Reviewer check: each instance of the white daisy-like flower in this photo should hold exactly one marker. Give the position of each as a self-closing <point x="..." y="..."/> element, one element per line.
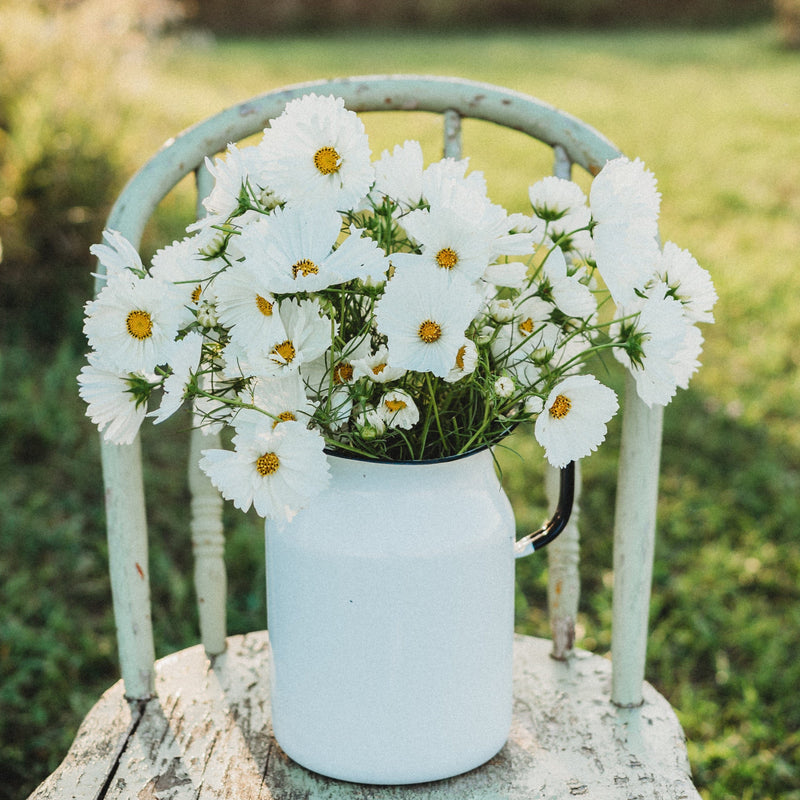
<point x="283" y="398"/>
<point x="317" y="150"/>
<point x="504" y="386"/>
<point x="624" y="191"/>
<point x="573" y="422"/>
<point x="466" y="362"/>
<point x="552" y="198"/>
<point x="245" y="305"/>
<point x="501" y="309"/>
<point x="398" y="175"/>
<point x="370" y="423"/>
<point x="184" y="358"/>
<point x="424" y="315"/>
<point x="452" y="240"/>
<point x="448" y="176"/>
<point x="660" y="332"/>
<point x="276" y="469"/>
<point x="534" y="404"/>
<point x="688" y="282"/>
<point x="626" y="256"/>
<point x="397" y="409"/>
<point x="510" y="274"/>
<point x="117" y="254"/>
<point x="574" y="298"/>
<point x="308" y="335"/>
<point x="375" y="366"/>
<point x="132" y="323"/>
<point x="530" y="333"/>
<point x="183" y="264"/>
<point x="686" y="361"/>
<point x="111" y="404"/>
<point x="335" y="367"/>
<point x="237" y="174"/>
<point x="293" y="250"/>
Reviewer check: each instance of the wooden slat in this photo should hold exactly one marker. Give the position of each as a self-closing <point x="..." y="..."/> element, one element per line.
<point x="128" y="564"/>
<point x="634" y="543"/>
<point x="563" y="578"/>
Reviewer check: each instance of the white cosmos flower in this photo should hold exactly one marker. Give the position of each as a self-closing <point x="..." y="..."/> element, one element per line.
<point x="238" y="173"/>
<point x="276" y="469"/>
<point x="133" y="321"/>
<point x="466" y="362"/>
<point x="375" y="366"/>
<point x="504" y="386"/>
<point x="370" y="423"/>
<point x="246" y="306"/>
<point x="688" y="282"/>
<point x="183" y="265"/>
<point x="308" y="335"/>
<point x="626" y="256"/>
<point x="512" y="274"/>
<point x="661" y="331"/>
<point x="293" y="250"/>
<point x="424" y="314"/>
<point x="184" y="358"/>
<point x="451" y="239"/>
<point x="443" y="178"/>
<point x="552" y="198"/>
<point x="398" y="175"/>
<point x="283" y="398"/>
<point x="335" y="367"/>
<point x="111" y="404"/>
<point x="117" y="254"/>
<point x="624" y="191"/>
<point x="572" y="423"/>
<point x="398" y="410"/>
<point x="318" y="151"/>
<point x="571" y="296"/>
<point x="530" y="331"/>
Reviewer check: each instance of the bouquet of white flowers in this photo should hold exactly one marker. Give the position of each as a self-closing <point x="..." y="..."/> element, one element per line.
<point x="387" y="310"/>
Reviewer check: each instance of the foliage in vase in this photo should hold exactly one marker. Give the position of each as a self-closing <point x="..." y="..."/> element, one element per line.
<point x="329" y="302"/>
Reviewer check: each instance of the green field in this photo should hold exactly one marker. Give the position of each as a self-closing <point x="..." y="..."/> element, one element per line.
<point x="716" y="116"/>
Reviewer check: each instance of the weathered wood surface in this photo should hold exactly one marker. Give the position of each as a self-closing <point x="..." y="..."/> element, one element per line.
<point x="207" y="735"/>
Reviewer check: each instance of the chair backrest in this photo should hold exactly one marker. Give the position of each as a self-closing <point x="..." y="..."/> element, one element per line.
<point x="573" y="143"/>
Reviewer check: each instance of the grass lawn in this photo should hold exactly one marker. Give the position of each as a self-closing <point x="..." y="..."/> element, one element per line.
<point x="716" y="116"/>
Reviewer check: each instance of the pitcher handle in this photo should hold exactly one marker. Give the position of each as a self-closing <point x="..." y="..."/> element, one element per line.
<point x="556" y="524"/>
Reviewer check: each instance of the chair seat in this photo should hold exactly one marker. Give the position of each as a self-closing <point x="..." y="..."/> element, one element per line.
<point x="207" y="734"/>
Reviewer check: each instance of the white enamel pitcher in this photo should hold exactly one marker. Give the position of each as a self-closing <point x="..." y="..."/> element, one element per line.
<point x="391" y="619"/>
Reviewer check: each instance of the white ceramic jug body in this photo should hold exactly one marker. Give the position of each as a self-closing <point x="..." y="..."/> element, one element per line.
<point x="390" y="605"/>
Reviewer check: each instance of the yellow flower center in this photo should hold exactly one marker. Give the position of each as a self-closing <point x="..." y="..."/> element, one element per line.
<point x="378" y="368"/>
<point x="462" y="351"/>
<point x="429" y="331"/>
<point x="561" y="406"/>
<point x="198" y="290"/>
<point x="285" y="350"/>
<point x="526" y="326"/>
<point x="327" y="160"/>
<point x="284" y="416"/>
<point x="267" y="464"/>
<point x="139" y="325"/>
<point x="447" y="258"/>
<point x="264" y="305"/>
<point x="395" y="405"/>
<point x="304" y="268"/>
<point x="343" y="373"/>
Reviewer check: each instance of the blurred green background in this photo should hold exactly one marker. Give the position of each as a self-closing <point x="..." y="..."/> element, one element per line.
<point x="707" y="93"/>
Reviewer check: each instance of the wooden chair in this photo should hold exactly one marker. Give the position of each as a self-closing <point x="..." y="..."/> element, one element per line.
<point x="196" y="723"/>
